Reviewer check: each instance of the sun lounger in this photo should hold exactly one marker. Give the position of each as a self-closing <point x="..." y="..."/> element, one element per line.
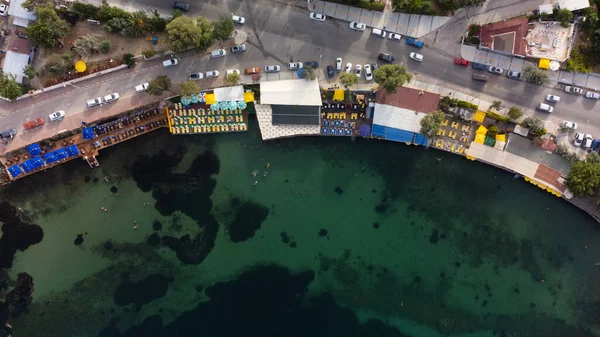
<point x="445" y="123"/>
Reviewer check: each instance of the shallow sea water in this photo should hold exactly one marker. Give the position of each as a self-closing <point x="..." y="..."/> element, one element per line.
<point x="364" y="238"/>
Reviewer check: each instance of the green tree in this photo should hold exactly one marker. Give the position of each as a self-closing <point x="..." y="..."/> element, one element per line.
<point x="188" y="88"/>
<point x="431" y="123"/>
<point x="534" y="124"/>
<point x="104" y="46"/>
<point x="496" y="105"/>
<point x="87" y="11"/>
<point x="223" y="28"/>
<point x="593" y="158"/>
<point x="206" y="37"/>
<point x="156" y="24"/>
<point x="85" y="45"/>
<point x="129" y="60"/>
<point x="47" y="28"/>
<point x="412" y="6"/>
<point x="185" y="32"/>
<point x="158" y="85"/>
<point x="535" y="75"/>
<point x="9" y="88"/>
<point x="564" y="16"/>
<point x="562" y="150"/>
<point x="584" y="178"/>
<point x="348" y="80"/>
<point x="492" y="131"/>
<point x="107" y="12"/>
<point x="232" y="79"/>
<point x="137" y="25"/>
<point x="30" y="71"/>
<point x="391" y="76"/>
<point x="514" y="113"/>
<point x="596" y="41"/>
<point x="116" y="25"/>
<point x="309" y="73"/>
<point x="30" y="5"/>
<point x="59" y="63"/>
<point x="591" y="18"/>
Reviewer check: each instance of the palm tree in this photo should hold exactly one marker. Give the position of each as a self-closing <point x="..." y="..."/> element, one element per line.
<point x="137" y="24"/>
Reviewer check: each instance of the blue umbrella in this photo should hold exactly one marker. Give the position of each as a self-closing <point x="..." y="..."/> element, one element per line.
<point x="241" y="105"/>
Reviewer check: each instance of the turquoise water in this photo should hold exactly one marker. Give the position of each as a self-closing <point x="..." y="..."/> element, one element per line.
<point x="339" y="238"/>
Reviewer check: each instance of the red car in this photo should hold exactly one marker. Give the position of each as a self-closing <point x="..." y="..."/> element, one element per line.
<point x="33" y="124"/>
<point x="461" y="62"/>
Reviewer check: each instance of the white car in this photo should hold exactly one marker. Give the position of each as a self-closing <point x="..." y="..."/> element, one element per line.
<point x="552" y="98"/>
<point x="56" y="116"/>
<point x="317" y="16"/>
<point x="348" y="68"/>
<point x="94" y="101"/>
<point x="368" y="72"/>
<point x="416" y="56"/>
<point x="395" y="37"/>
<point x="211" y="74"/>
<point x="338" y="64"/>
<point x="573" y="90"/>
<point x="545" y="107"/>
<point x="238" y="19"/>
<point x="3" y="9"/>
<point x="358" y="26"/>
<point x="592" y="95"/>
<point x="568" y="125"/>
<point x="578" y="139"/>
<point x="218" y="53"/>
<point x="587" y="141"/>
<point x="170" y="63"/>
<point x="358" y="70"/>
<point x="111" y="97"/>
<point x="232" y="71"/>
<point x="295" y="65"/>
<point x="272" y="69"/>
<point x="195" y="76"/>
<point x="142" y="87"/>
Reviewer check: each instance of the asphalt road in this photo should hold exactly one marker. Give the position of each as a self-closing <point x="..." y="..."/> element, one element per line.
<point x="279" y="33"/>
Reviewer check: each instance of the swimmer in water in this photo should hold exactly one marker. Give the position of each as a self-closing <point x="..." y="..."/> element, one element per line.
<point x="255" y="183"/>
<point x="254" y="173"/>
<point x="265" y="174"/>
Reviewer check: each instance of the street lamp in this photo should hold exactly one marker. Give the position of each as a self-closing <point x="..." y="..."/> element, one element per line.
<point x="318" y="73"/>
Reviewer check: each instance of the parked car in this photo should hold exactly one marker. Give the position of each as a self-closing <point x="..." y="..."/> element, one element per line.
<point x="552" y="98"/>
<point x="573" y="90"/>
<point x="348" y="68"/>
<point x="3" y="9"/>
<point x="461" y="62"/>
<point x="94" y="101"/>
<point x="592" y="95"/>
<point x="358" y="70"/>
<point x="170" y="63"/>
<point x="272" y="69"/>
<point x="313" y="64"/>
<point x="330" y="72"/>
<point x="195" y="76"/>
<point x="414" y="42"/>
<point x="478" y="66"/>
<point x="495" y="70"/>
<point x="514" y="75"/>
<point x="33" y="124"/>
<point x="596" y="145"/>
<point x="480" y="77"/>
<point x="56" y="116"/>
<point x="10" y="133"/>
<point x="252" y="71"/>
<point x="295" y="65"/>
<point x="587" y="141"/>
<point x="386" y="57"/>
<point x="218" y="53"/>
<point x="545" y="107"/>
<point x="358" y="26"/>
<point x="394" y="36"/>
<point x="232" y="71"/>
<point x="181" y="6"/>
<point x="142" y="87"/>
<point x="375" y="66"/>
<point x="338" y="64"/>
<point x="578" y="139"/>
<point x="416" y="56"/>
<point x="238" y="49"/>
<point x="211" y="74"/>
<point x="238" y="19"/>
<point x="378" y="32"/>
<point x="568" y="125"/>
<point x="111" y="97"/>
<point x="368" y="72"/>
<point x="317" y="16"/>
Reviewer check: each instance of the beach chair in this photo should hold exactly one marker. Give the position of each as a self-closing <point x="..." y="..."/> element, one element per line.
<point x="461" y="150"/>
<point x="440" y="132"/>
<point x="343" y="115"/>
<point x="468" y="128"/>
<point x="454" y="136"/>
<point x="323" y="131"/>
<point x="453" y="146"/>
<point x="336" y="115"/>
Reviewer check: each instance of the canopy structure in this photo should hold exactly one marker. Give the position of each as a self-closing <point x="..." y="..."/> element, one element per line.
<point x="37" y="161"/>
<point x="50" y="157"/>
<point x="482" y="130"/>
<point x="61" y="154"/>
<point x="249" y="96"/>
<point x="80" y="66"/>
<point x="15" y="170"/>
<point x="338" y="95"/>
<point x="210" y="99"/>
<point x="501" y="137"/>
<point x="88" y="133"/>
<point x="479" y="138"/>
<point x="34" y="149"/>
<point x="479" y="116"/>
<point x="72" y="150"/>
<point x="27" y="166"/>
<point x="544" y="63"/>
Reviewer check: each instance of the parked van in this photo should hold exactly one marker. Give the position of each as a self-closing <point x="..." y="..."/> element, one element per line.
<point x="379" y="32"/>
<point x="480" y="77"/>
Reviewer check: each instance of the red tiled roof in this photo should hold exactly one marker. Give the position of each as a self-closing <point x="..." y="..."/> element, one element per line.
<point x="550" y="176"/>
<point x="19" y="45"/>
<point x="410" y="99"/>
<point x="518" y="26"/>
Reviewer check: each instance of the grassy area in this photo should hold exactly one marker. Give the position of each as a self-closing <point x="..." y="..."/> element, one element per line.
<point x="583" y="59"/>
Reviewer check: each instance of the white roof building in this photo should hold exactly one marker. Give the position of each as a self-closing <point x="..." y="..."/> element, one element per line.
<point x="290" y="92"/>
<point x="573" y="5"/>
<point x="229" y="93"/>
<point x="20" y="15"/>
<point x="398" y="118"/>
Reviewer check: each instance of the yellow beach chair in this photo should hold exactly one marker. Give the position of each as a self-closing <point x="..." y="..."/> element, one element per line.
<point x="445" y="122"/>
<point x="454" y="136"/>
<point x="343" y="115"/>
<point x="453" y="147"/>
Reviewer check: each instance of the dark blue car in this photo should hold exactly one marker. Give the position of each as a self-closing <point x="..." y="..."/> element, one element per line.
<point x="313" y="64"/>
<point x="596" y="145"/>
<point x="330" y="71"/>
<point x="478" y="66"/>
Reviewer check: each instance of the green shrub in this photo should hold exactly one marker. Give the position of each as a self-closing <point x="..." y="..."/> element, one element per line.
<point x="577" y="62"/>
<point x="540" y="132"/>
<point x="156" y="24"/>
<point x="116" y="25"/>
<point x="87" y="11"/>
<point x="104" y="46"/>
<point x="374" y="6"/>
<point x="149" y="53"/>
<point x="329" y="95"/>
<point x="129" y="60"/>
<point x="466" y="105"/>
<point x="497" y="117"/>
<point x="492" y="131"/>
<point x="106" y="13"/>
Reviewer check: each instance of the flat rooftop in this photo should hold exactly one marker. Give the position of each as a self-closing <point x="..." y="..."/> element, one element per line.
<point x="548" y="40"/>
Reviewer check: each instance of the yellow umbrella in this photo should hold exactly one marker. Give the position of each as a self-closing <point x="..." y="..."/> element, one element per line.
<point x="80" y="66"/>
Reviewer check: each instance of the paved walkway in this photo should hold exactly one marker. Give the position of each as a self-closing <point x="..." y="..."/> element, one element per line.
<point x="401" y="23"/>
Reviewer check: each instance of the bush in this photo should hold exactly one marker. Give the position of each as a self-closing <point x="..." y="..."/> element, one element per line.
<point x="105" y="13"/>
<point x="515" y="113"/>
<point x="87" y="11"/>
<point x="374" y="6"/>
<point x="116" y="25"/>
<point x="562" y="150"/>
<point x="492" y="131"/>
<point x="466" y="105"/>
<point x="577" y="62"/>
<point x="535" y="75"/>
<point x="539" y="132"/>
<point x="497" y="117"/>
<point x="157" y="24"/>
<point x="149" y="53"/>
<point x="104" y="46"/>
<point x="129" y="60"/>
